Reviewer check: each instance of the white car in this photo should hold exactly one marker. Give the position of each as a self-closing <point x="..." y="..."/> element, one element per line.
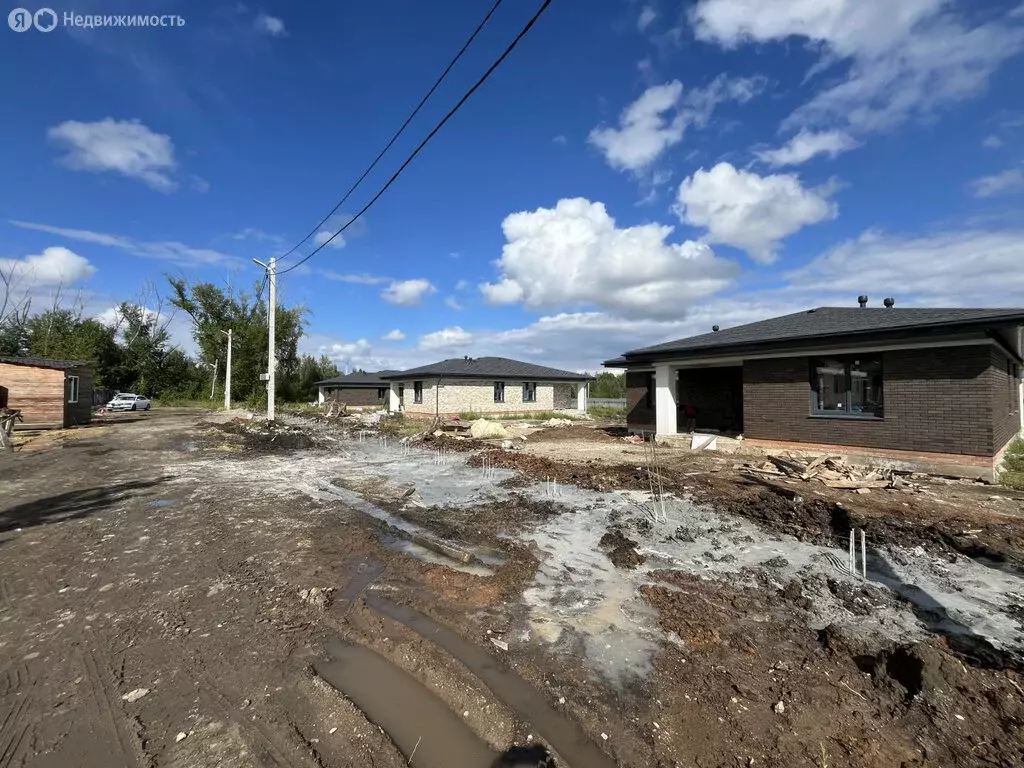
<point x="125" y="401"/>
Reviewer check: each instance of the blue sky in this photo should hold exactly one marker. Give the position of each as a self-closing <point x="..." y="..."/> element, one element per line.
<point x="634" y="172"/>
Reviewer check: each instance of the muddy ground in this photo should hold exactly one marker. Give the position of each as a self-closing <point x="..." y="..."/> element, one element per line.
<point x="177" y="590"/>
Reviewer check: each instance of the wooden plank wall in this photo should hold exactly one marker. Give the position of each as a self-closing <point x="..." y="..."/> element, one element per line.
<point x="81" y="412"/>
<point x="37" y="392"/>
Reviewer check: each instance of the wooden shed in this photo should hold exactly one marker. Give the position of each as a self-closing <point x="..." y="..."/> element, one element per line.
<point x="49" y="393"/>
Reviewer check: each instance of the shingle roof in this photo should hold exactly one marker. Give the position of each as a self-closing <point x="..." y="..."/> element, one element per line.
<point x="831" y="322"/>
<point x="360" y="379"/>
<point x="41" y="362"/>
<point x="488" y="368"/>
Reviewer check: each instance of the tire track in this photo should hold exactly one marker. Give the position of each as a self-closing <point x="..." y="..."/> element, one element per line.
<point x="14" y="727"/>
<point x="100" y="689"/>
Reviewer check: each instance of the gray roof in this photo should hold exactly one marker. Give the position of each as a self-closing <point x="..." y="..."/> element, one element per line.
<point x="488" y="368"/>
<point x="41" y="362"/>
<point x="832" y="322"/>
<point x="359" y="380"/>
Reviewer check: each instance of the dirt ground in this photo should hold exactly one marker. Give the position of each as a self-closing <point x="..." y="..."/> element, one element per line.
<point x="172" y="587"/>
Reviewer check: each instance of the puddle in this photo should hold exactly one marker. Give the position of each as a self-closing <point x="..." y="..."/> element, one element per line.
<point x="564" y="735"/>
<point x="161" y="503"/>
<point x="417" y="721"/>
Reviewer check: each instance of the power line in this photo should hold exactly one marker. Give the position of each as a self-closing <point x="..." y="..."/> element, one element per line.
<point x="399" y="132"/>
<point x="422" y="144"/>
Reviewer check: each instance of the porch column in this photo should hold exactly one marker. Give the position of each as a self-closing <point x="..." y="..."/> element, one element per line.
<point x="393" y="397"/>
<point x="581" y="397"/>
<point x="665" y="400"/>
<point x="320" y="395"/>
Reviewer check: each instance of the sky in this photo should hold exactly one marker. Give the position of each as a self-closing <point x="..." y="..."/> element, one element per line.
<point x="633" y="172"/>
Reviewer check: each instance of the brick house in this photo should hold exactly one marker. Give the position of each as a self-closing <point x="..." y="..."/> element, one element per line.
<point x="938" y="389"/>
<point x="356" y="389"/>
<point x="49" y="393"/>
<point x="486" y="385"/>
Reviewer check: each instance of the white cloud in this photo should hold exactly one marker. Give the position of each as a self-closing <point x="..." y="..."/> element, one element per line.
<point x="164" y="250"/>
<point x="324" y="236"/>
<point x="124" y="146"/>
<point x="407" y="293"/>
<point x="447" y="338"/>
<point x="748" y="211"/>
<point x="462" y="285"/>
<point x="395" y="335"/>
<point x="258" y="235"/>
<point x="357" y="279"/>
<point x="646" y="18"/>
<point x="270" y="25"/>
<point x="806" y="145"/>
<point x="658" y="119"/>
<point x="902" y="60"/>
<point x="574" y="255"/>
<point x="992" y="142"/>
<point x="452" y="303"/>
<point x="1010" y="180"/>
<point x="955" y="268"/>
<point x="560" y="140"/>
<point x="54" y="266"/>
<point x="645" y="129"/>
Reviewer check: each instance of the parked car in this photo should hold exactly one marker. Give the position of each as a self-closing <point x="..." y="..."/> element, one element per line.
<point x="125" y="401"/>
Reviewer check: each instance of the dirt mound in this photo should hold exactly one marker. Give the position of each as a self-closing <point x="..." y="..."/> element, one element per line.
<point x="576" y="433"/>
<point x="621" y="549"/>
<point x="267" y="437"/>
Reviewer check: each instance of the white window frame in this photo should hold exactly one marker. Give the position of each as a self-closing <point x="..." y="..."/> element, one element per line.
<point x="73" y="390"/>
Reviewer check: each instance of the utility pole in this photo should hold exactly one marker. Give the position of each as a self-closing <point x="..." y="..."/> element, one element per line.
<point x="227" y="379"/>
<point x="213" y="386"/>
<point x="271" y="312"/>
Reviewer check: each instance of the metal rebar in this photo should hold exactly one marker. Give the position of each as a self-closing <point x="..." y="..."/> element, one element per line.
<point x="852" y="562"/>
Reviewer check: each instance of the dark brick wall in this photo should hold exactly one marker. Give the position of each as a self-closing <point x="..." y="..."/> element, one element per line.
<point x="637" y="412"/>
<point x="942" y="400"/>
<point x="716" y="393"/>
<point x="1005" y="401"/>
<point x="356" y="395"/>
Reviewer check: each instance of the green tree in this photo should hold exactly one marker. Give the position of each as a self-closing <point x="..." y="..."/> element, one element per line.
<point x="214" y="310"/>
<point x="61" y="334"/>
<point x="608" y="384"/>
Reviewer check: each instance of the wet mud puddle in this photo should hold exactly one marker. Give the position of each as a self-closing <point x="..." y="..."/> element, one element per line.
<point x="426" y="732"/>
<point x="563" y="734"/>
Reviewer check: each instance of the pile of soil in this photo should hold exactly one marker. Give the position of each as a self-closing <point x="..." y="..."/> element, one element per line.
<point x="267" y="437"/>
<point x="574" y="432"/>
<point x="746" y="663"/>
<point x="621" y="549"/>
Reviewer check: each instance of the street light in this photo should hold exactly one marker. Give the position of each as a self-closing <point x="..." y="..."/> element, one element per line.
<point x="227" y="379"/>
<point x="271" y="354"/>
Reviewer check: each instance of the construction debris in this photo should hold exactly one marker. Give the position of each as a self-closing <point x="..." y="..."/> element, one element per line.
<point x="833" y="472"/>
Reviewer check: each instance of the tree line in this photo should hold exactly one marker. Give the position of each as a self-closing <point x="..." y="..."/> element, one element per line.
<point x="131" y="349"/>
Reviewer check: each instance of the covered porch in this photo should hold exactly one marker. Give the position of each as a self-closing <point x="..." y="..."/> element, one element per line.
<point x="677" y="399"/>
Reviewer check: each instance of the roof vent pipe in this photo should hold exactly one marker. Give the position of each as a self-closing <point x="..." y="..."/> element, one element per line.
<point x="714" y="329"/>
<point x="863" y="301"/>
<point x="889" y="303"/>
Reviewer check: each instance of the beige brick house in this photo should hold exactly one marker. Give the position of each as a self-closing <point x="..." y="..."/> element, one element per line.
<point x="486" y="385"/>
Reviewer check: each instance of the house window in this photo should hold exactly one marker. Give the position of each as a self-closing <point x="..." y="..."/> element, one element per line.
<point x="529" y="391"/>
<point x="417" y="391"/>
<point x="849" y="386"/>
<point x="499" y="391"/>
<point x="649" y="397"/>
<point x="72" y="389"/>
<point x="381" y="392"/>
